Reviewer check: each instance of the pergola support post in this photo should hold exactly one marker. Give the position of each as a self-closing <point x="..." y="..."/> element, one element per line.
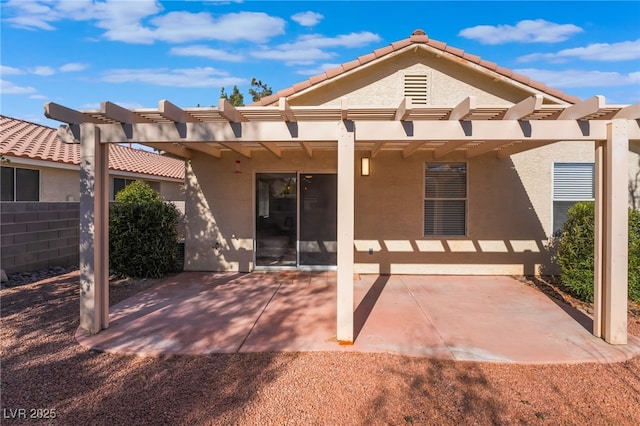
<point x="611" y="235"/>
<point x="346" y="211"/>
<point x="94" y="230"/>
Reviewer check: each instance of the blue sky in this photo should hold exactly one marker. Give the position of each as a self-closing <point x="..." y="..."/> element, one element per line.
<point x="79" y="53"/>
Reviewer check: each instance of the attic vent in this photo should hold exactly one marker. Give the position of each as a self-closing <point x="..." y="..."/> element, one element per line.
<point x="416" y="87"/>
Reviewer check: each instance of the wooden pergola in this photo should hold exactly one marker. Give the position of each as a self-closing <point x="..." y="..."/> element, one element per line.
<point x="464" y="128"/>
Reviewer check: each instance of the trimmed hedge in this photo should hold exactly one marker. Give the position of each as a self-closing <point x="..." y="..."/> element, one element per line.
<point x="143" y="238"/>
<point x="575" y="252"/>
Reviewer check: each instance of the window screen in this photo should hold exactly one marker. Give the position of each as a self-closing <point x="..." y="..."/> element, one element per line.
<point x="445" y="199"/>
<point x="572" y="182"/>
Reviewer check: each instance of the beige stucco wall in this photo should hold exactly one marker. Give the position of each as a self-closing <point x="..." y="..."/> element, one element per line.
<point x="509" y="213"/>
<point x="59" y="184"/>
<point x="383" y="84"/>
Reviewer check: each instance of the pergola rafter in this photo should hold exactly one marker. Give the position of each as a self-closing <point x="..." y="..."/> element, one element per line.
<point x="468" y="127"/>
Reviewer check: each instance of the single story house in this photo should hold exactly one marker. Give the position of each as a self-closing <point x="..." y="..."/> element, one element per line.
<point x="418" y="158"/>
<point x="38" y="166"/>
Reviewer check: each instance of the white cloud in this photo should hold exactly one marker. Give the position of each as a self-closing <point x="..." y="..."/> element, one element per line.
<point x="8" y="88"/>
<point x="251" y="26"/>
<point x="623" y="51"/>
<point x="298" y="56"/>
<point x="318" y="70"/>
<point x="527" y="31"/>
<point x="42" y="70"/>
<point x="309" y="49"/>
<point x="73" y="67"/>
<point x="38" y="97"/>
<point x="206" y="52"/>
<point x="342" y="40"/>
<point x="5" y="70"/>
<point x="307" y="19"/>
<point x="187" y="77"/>
<point x="140" y="21"/>
<point x="581" y="78"/>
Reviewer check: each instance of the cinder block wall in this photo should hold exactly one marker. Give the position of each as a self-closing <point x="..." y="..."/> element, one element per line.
<point x="37" y="235"/>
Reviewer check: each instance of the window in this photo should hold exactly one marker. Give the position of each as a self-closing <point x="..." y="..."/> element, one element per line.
<point x="572" y="182"/>
<point x="19" y="184"/>
<point x="445" y="199"/>
<point x="119" y="184"/>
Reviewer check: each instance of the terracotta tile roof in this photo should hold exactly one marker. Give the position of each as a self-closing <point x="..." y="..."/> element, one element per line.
<point x="418" y="37"/>
<point x="24" y="139"/>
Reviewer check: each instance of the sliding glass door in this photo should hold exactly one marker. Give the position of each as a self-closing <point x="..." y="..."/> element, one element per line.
<point x="318" y="219"/>
<point x="276" y="219"/>
<point x="296" y="220"/>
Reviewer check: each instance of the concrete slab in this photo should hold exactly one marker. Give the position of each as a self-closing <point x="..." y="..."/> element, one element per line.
<point x="490" y="319"/>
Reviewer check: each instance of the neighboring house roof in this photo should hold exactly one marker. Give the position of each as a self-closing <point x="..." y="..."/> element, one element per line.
<point x="19" y="138"/>
<point x="418" y="37"/>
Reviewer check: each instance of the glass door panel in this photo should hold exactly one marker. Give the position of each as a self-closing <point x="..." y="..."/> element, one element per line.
<point x="318" y="219"/>
<point x="276" y="219"/>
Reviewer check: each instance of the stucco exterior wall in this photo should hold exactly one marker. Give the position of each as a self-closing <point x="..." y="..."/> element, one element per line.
<point x="509" y="213"/>
<point x="219" y="206"/>
<point x="449" y="83"/>
<point x="59" y="184"/>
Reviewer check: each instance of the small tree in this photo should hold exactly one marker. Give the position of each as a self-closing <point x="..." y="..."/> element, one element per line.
<point x="236" y="98"/>
<point x="143" y="238"/>
<point x="259" y="90"/>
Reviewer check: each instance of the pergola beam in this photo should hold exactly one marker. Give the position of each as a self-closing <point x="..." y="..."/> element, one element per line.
<point x="377" y="148"/>
<point x="368" y="131"/>
<point x="524" y="108"/>
<point x="463" y="110"/>
<point x="582" y="109"/>
<point x="61" y="113"/>
<point x="285" y="110"/>
<point x="120" y="114"/>
<point x="228" y="111"/>
<point x="410" y="149"/>
<point x="203" y="147"/>
<point x="484" y="147"/>
<point x="306" y="146"/>
<point x="404" y="109"/>
<point x="630" y="112"/>
<point x="273" y="148"/>
<point x="237" y="147"/>
<point x="171" y="148"/>
<point x="173" y="112"/>
<point x="448" y="147"/>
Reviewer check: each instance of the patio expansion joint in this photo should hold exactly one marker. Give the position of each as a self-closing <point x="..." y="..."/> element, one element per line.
<point x="258" y="318"/>
<point x="428" y="318"/>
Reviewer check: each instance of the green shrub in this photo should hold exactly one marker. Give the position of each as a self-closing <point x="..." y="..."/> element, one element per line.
<point x="575" y="252"/>
<point x="143" y="240"/>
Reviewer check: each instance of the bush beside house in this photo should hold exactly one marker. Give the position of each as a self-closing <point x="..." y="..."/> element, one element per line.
<point x="576" y="251"/>
<point x="143" y="238"/>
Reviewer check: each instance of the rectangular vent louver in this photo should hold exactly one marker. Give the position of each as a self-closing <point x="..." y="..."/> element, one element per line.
<point x="416" y="87"/>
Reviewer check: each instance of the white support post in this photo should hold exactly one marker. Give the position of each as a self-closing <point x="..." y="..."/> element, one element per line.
<point x="616" y="226"/>
<point x="346" y="211"/>
<point x="94" y="230"/>
<point x="599" y="249"/>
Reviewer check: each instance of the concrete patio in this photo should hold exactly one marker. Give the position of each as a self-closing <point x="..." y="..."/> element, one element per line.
<point x="491" y="319"/>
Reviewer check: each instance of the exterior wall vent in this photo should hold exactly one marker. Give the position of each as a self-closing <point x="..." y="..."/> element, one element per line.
<point x="416" y="87"/>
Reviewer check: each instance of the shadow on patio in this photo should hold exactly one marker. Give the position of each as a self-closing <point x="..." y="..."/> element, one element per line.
<point x="479" y="318"/>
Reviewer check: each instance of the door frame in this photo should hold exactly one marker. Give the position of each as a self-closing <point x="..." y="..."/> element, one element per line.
<point x="254" y="201"/>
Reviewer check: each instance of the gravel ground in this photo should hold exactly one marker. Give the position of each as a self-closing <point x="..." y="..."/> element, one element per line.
<point x="45" y="372"/>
